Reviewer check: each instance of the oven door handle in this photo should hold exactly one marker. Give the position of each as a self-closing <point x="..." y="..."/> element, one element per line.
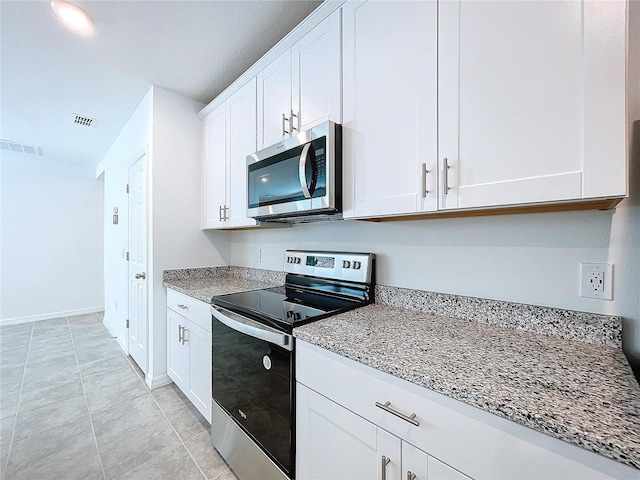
<point x="252" y="328"/>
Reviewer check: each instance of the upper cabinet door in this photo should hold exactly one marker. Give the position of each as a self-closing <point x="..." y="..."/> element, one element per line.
<point x="213" y="169"/>
<point x="241" y="141"/>
<point x="390" y="108"/>
<point x="531" y="102"/>
<point x="274" y="101"/>
<point x="317" y="75"/>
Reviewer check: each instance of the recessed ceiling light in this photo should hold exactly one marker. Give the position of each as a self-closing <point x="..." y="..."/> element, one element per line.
<point x="73" y="17"/>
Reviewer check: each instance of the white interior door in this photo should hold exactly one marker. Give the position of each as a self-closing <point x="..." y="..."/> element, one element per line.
<point x="138" y="263"/>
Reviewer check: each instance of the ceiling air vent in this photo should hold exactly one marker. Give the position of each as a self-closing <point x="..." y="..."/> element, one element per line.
<point x="84" y="121"/>
<point x="16" y="147"/>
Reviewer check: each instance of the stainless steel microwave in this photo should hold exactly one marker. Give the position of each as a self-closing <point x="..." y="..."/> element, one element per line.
<point x="298" y="179"/>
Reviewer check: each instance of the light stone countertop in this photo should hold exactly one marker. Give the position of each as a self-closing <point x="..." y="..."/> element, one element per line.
<point x="579" y="392"/>
<point x="204" y="283"/>
<point x="558" y="372"/>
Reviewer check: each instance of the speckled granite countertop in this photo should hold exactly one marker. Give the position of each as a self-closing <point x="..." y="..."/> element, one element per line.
<point x="579" y="392"/>
<point x="204" y="283"/>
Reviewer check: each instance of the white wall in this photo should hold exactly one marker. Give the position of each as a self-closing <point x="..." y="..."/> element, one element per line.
<point x="132" y="140"/>
<point x="167" y="126"/>
<point x="177" y="241"/>
<point x="51" y="246"/>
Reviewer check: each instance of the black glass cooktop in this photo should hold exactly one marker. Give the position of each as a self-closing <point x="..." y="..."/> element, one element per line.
<point x="290" y="306"/>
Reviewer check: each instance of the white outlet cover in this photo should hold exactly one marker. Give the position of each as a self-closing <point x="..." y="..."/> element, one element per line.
<point x="586" y="290"/>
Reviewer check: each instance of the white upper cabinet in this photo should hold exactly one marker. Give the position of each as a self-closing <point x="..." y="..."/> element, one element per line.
<point x="274" y="101"/>
<point x="531" y="102"/>
<point x="302" y="87"/>
<point x="241" y="140"/>
<point x="230" y="135"/>
<point x="214" y="181"/>
<point x="390" y="108"/>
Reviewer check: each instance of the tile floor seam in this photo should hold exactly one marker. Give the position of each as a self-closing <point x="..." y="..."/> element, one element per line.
<point x="178" y="435"/>
<point x="15" y="417"/>
<point x="86" y="400"/>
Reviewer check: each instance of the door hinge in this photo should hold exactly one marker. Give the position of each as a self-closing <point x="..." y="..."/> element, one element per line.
<point x="127" y="323"/>
<point x="126" y="256"/>
<point x="127" y="188"/>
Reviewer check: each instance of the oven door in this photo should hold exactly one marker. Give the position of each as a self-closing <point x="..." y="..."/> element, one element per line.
<point x="253" y="382"/>
<point x="296" y="176"/>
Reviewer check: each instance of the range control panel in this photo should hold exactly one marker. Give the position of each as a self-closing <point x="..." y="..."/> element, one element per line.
<point x="355" y="267"/>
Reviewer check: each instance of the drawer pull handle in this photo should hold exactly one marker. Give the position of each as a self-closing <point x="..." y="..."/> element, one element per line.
<point x="184" y="307"/>
<point x="410" y="418"/>
<point x="385" y="462"/>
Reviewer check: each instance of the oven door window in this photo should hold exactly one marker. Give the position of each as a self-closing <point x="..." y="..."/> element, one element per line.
<point x="279" y="179"/>
<point x="252" y="383"/>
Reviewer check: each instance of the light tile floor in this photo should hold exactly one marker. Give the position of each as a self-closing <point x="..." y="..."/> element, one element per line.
<point x="73" y="406"/>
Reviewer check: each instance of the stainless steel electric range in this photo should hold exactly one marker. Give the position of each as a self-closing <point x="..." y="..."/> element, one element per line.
<point x="253" y="371"/>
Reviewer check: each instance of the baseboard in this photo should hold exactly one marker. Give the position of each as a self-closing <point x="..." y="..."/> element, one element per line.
<point x="49" y="316"/>
<point x="158" y="381"/>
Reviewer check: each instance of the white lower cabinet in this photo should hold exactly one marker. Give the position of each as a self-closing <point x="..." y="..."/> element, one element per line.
<point x="349" y="416"/>
<point x="189" y="348"/>
<point x="334" y="443"/>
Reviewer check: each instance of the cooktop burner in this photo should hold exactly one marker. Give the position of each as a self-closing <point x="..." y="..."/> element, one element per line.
<point x="318" y="285"/>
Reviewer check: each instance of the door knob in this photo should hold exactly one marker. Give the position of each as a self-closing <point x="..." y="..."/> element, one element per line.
<point x="141" y="275"/>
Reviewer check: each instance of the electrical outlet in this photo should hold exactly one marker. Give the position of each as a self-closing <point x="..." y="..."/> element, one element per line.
<point x="596" y="280"/>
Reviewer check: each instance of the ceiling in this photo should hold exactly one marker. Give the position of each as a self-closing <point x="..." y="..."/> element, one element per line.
<point x="49" y="74"/>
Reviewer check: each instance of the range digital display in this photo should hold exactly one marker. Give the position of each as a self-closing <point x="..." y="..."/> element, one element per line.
<point x="321" y="262"/>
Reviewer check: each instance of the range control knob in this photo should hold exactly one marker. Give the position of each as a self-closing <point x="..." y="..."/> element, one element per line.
<point x="346" y="264"/>
<point x="357" y="265"/>
<point x="296" y="260"/>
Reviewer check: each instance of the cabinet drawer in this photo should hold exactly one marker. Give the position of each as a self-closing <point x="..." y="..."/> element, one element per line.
<point x="194" y="310"/>
<point x="480" y="444"/>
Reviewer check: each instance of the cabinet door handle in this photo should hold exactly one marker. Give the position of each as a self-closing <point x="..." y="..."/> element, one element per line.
<point x="184" y="338"/>
<point x="183" y="307"/>
<point x="220" y="213"/>
<point x="291" y="127"/>
<point x="384" y="462"/>
<point x="424" y="180"/>
<point x="180" y="327"/>
<point x="445" y="177"/>
<point x="411" y="475"/>
<point x="407" y="418"/>
<point x="226" y="213"/>
<point x="284" y="120"/>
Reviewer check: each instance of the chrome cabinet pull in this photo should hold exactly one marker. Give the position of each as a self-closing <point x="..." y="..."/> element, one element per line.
<point x="387" y="408"/>
<point x="445" y="177"/>
<point x="424" y="180"/>
<point x="384" y="463"/>
<point x="220" y="213"/>
<point x="180" y="327"/>
<point x="226" y="213"/>
<point x="183" y="307"/>
<point x="411" y="475"/>
<point x="291" y="127"/>
<point x="284" y="120"/>
<point x="142" y="275"/>
<point x="184" y="339"/>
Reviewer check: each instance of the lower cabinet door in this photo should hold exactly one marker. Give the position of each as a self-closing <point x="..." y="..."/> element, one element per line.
<point x="332" y="443"/>
<point x="441" y="471"/>
<point x="198" y="341"/>
<point x="415" y="463"/>
<point x="176" y="349"/>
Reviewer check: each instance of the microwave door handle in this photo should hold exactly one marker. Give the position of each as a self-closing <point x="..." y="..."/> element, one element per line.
<point x="302" y="171"/>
